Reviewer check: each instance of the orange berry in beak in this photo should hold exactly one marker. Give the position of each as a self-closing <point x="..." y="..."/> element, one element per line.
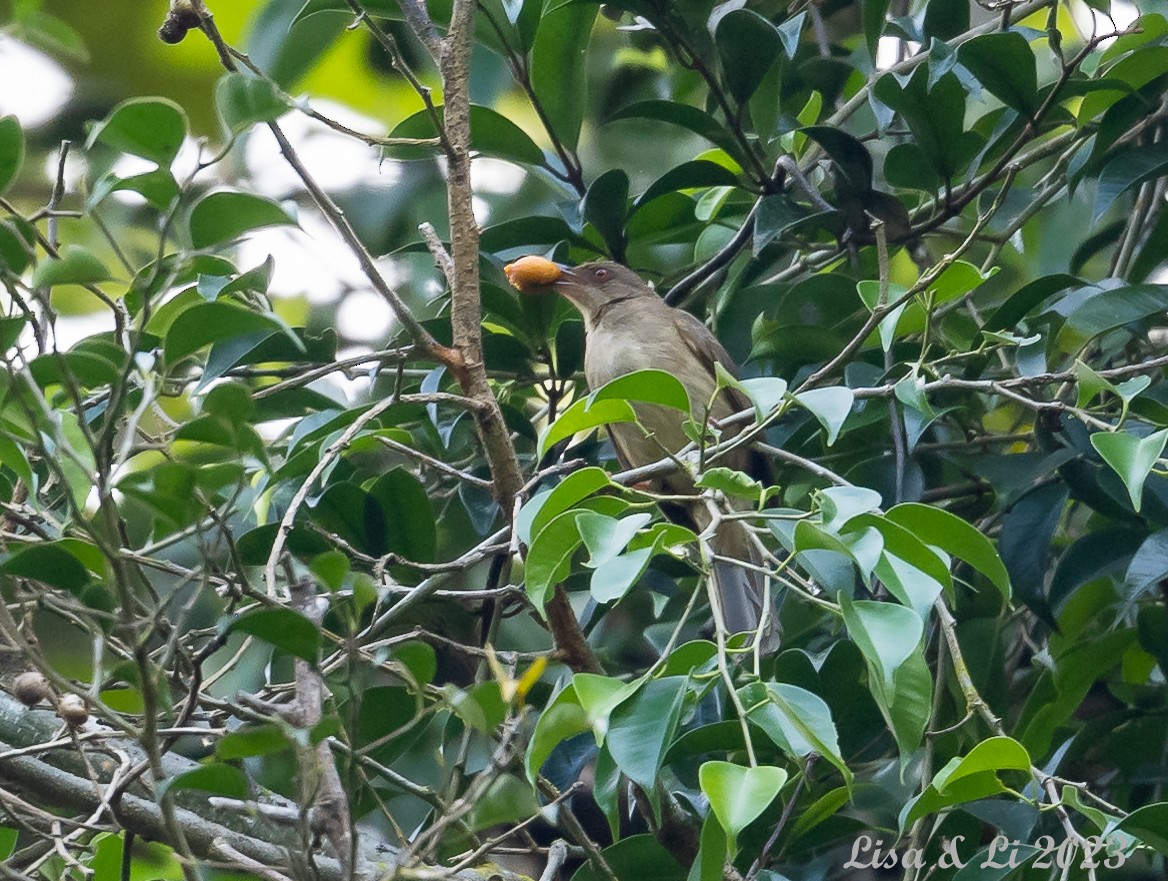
<point x="531" y="273"/>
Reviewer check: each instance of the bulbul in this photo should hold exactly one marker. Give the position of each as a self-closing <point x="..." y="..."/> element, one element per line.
<point x="628" y="327"/>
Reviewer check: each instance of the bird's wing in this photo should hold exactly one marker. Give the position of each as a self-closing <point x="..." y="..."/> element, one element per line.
<point x="700" y="340"/>
<point x="705" y="346"/>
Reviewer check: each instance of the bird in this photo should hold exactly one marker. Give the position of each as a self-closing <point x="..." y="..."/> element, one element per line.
<point x="628" y="327"/>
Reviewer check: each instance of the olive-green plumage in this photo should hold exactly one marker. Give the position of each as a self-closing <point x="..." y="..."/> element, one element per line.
<point x="629" y="328"/>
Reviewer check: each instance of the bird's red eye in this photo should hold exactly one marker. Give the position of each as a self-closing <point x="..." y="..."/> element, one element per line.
<point x="600" y="274"/>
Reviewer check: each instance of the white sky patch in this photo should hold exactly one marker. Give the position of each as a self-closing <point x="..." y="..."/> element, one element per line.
<point x="72" y="329"/>
<point x="335" y="160"/>
<point x="1091" y="21"/>
<point x="482" y="210"/>
<point x="495" y="175"/>
<point x="33" y="87"/>
<point x="364" y="316"/>
<point x="888" y="47"/>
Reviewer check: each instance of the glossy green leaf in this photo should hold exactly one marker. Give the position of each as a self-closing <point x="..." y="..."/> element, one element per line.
<point x="563" y="717"/>
<point x="158" y="187"/>
<point x="688" y="175"/>
<point x="545" y="506"/>
<point x="558" y="67"/>
<point x="77" y="265"/>
<point x="224" y="216"/>
<point x="242" y="101"/>
<point x="955" y="536"/>
<point x="11" y="151"/>
<point x="251" y="740"/>
<point x="830" y="406"/>
<point x="1132" y="457"/>
<point x="605" y="206"/>
<point x="217" y="778"/>
<point x="492" y="134"/>
<point x="1128" y="170"/>
<point x="886" y="633"/>
<point x="797" y="720"/>
<point x="284" y="628"/>
<point x="206" y="323"/>
<point x="684" y="115"/>
<point x="748" y="45"/>
<point x="643" y="725"/>
<point x="549" y="557"/>
<point x="1004" y="63"/>
<point x="153" y="128"/>
<point x="739" y="795"/>
<point x="49" y="563"/>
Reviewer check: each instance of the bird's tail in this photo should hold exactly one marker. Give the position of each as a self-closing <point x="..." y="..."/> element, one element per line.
<point x="742" y="590"/>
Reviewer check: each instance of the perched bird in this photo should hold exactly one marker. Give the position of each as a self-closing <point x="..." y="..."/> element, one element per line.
<point x="628" y="327"/>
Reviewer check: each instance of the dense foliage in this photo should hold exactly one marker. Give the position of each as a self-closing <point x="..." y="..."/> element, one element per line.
<point x="312" y="607"/>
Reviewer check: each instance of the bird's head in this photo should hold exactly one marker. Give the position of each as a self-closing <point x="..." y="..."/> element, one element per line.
<point x="588" y="286"/>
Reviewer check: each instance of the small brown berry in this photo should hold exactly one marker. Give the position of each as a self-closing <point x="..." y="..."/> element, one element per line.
<point x="30" y="688"/>
<point x="182" y="18"/>
<point x="71" y="708"/>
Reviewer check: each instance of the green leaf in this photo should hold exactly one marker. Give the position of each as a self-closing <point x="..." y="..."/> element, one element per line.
<point x="748" y="45"/>
<point x="955" y="536"/>
<point x="730" y="482"/>
<point x="242" y="100"/>
<point x="16" y="245"/>
<point x="77" y="265"/>
<point x="1148" y="824"/>
<point x="874" y="14"/>
<point x="492" y="134"/>
<point x="839" y="504"/>
<point x="935" y="113"/>
<point x="646" y="386"/>
<point x="797" y="720"/>
<point x="158" y="187"/>
<point x="994" y="754"/>
<point x="605" y="206"/>
<point x="11" y="150"/>
<point x="549" y="557"/>
<point x="1127" y="170"/>
<point x="605" y="537"/>
<point x="862" y="547"/>
<point x="563" y="718"/>
<point x="1110" y="309"/>
<point x="686" y="176"/>
<point x="738" y="795"/>
<point x="558" y="68"/>
<point x="685" y="115"/>
<point x="153" y="128"/>
<point x="1026" y="298"/>
<point x="217" y="778"/>
<point x="613" y="578"/>
<point x="1131" y="457"/>
<point x="48" y="563"/>
<point x="1005" y="65"/>
<point x="886" y="633"/>
<point x="285" y="628"/>
<point x="848" y="154"/>
<point x="378" y="8"/>
<point x="251" y="740"/>
<point x="642" y="727"/>
<point x="206" y="323"/>
<point x="584" y="415"/>
<point x="224" y="216"/>
<point x="610" y="403"/>
<point x="545" y="506"/>
<point x="830" y="406"/>
<point x="411" y="528"/>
